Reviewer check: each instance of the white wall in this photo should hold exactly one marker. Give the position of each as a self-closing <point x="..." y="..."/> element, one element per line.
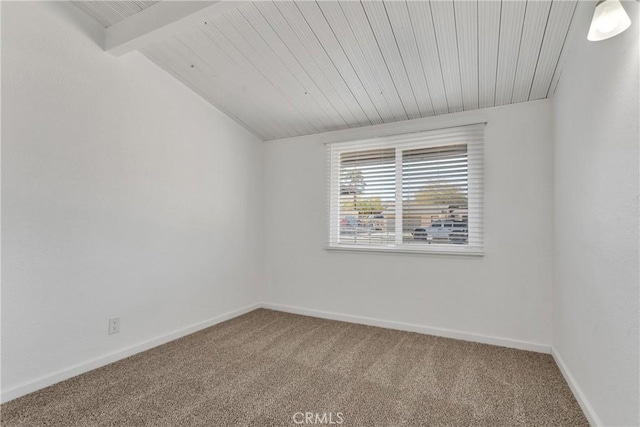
<point x="596" y="219"/>
<point x="505" y="294"/>
<point x="124" y="195"/>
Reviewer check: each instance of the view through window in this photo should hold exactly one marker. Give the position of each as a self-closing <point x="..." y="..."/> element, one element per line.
<point x="421" y="192"/>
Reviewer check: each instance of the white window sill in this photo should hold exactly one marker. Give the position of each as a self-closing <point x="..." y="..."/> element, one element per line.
<point x="432" y="250"/>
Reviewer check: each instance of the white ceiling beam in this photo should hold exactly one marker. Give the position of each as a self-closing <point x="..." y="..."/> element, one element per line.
<point x="160" y="21"/>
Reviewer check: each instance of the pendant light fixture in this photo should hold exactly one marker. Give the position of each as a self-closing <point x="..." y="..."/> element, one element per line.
<point x="609" y="19"/>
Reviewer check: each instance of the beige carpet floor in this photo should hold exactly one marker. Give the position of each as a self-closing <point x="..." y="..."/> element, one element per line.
<point x="266" y="367"/>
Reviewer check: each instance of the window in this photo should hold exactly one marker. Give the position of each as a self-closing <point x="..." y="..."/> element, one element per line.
<point x="420" y="192"/>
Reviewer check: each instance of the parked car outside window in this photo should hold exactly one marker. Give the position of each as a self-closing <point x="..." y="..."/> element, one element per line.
<point x="443" y="231"/>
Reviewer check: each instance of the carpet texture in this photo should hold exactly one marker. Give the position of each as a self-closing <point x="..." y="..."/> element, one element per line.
<point x="268" y="368"/>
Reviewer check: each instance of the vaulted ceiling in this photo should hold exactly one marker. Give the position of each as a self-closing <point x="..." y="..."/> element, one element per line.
<point x="292" y="68"/>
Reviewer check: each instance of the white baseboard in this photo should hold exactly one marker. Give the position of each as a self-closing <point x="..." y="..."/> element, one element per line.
<point x="428" y="330"/>
<point x="89" y="365"/>
<point x="586" y="407"/>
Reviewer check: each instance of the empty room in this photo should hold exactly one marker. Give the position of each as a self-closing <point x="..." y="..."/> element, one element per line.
<point x="294" y="213"/>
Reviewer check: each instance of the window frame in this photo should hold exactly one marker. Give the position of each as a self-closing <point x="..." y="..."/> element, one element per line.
<point x="424" y="139"/>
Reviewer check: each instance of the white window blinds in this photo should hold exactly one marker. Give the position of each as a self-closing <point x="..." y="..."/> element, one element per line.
<point x="416" y="192"/>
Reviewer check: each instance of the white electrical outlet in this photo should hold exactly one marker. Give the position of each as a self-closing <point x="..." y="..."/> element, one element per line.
<point x="114" y="325"/>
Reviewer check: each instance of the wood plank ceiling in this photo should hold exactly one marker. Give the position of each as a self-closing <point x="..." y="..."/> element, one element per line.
<point x="292" y="68"/>
<point x="110" y="12"/>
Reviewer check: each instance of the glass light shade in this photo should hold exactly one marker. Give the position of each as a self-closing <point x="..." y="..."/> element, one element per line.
<point x="609" y="19"/>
